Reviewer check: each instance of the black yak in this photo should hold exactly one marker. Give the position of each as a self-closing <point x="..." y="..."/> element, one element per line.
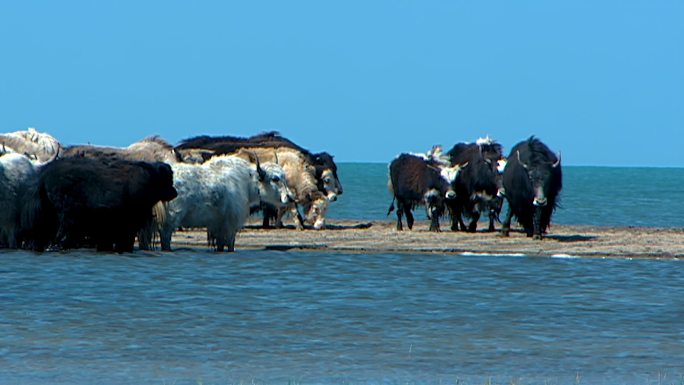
<point x="478" y="185"/>
<point x="414" y="181"/>
<point x="532" y="181"/>
<point x="83" y="201"/>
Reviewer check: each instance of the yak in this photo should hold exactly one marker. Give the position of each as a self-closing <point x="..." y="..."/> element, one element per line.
<point x="17" y="174"/>
<point x="39" y="147"/>
<point x="201" y="148"/>
<point x="478" y="186"/>
<point x="301" y="180"/>
<point x="532" y="181"/>
<point x="208" y="146"/>
<point x="415" y="181"/>
<point x="149" y="149"/>
<point x="217" y="195"/>
<point x="85" y="201"/>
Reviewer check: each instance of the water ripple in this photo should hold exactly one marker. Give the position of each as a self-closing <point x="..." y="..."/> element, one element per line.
<point x="274" y="318"/>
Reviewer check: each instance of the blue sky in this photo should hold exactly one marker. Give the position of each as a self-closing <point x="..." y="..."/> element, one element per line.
<point x="600" y="81"/>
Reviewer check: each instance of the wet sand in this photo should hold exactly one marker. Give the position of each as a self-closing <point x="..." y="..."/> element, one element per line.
<point x="382" y="237"/>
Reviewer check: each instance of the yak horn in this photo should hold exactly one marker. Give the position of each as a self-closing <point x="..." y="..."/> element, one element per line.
<point x="557" y="163"/>
<point x="260" y="171"/>
<point x="520" y="161"/>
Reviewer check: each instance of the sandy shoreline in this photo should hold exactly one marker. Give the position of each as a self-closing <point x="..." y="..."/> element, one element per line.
<point x="381" y="237"/>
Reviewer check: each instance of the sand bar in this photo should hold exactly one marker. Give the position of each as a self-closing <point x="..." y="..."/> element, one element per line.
<point x="382" y="237"/>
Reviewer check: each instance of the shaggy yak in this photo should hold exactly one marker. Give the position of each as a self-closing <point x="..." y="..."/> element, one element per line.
<point x="150" y="149"/>
<point x="478" y="186"/>
<point x="17" y="173"/>
<point x="39" y="147"/>
<point x="218" y="195"/>
<point x="414" y="181"/>
<point x="532" y="181"/>
<point x="200" y="148"/>
<point x="84" y="201"/>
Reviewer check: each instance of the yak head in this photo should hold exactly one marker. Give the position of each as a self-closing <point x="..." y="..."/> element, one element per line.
<point x="540" y="175"/>
<point x="449" y="175"/>
<point x="326" y="175"/>
<point x="273" y="186"/>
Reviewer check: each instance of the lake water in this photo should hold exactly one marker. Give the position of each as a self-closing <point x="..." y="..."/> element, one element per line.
<point x="267" y="317"/>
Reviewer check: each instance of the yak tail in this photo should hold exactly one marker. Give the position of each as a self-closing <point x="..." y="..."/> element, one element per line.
<point x="391" y="208"/>
<point x="390" y="187"/>
<point x="148" y="234"/>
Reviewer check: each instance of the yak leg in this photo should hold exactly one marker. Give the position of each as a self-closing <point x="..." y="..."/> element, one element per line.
<point x="279" y="217"/>
<point x="222" y="236"/>
<point x="409" y="217"/>
<point x="124" y="242"/>
<point x="460" y="219"/>
<point x="165" y="236"/>
<point x="434" y="223"/>
<point x="221" y="242"/>
<point x="146" y="235"/>
<point x="453" y="210"/>
<point x="297" y="216"/>
<point x="536" y="223"/>
<point x="474" y="217"/>
<point x="269" y="213"/>
<point x="506" y="225"/>
<point x="400" y="212"/>
<point x="492" y="218"/>
<point x="67" y="237"/>
<point x="457" y="218"/>
<point x="230" y="242"/>
<point x="494" y="210"/>
<point x="299" y="221"/>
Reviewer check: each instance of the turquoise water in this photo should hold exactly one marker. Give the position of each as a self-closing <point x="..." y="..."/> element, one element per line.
<point x="601" y="196"/>
<point x="268" y="317"/>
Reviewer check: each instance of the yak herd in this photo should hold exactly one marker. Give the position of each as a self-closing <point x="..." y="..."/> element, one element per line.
<point x="56" y="197"/>
<point x="475" y="178"/>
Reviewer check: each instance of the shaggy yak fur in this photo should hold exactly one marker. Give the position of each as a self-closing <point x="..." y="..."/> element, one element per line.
<point x="17" y="174"/>
<point x="39" y="147"/>
<point x="532" y="182"/>
<point x="200" y="148"/>
<point x="477" y="186"/>
<point x="414" y="181"/>
<point x="218" y="195"/>
<point x="84" y="201"/>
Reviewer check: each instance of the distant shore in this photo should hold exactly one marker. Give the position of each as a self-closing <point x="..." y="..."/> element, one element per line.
<point x="562" y="241"/>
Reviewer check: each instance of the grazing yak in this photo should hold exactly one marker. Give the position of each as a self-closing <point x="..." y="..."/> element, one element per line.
<point x="84" y="201"/>
<point x="201" y="148"/>
<point x="324" y="168"/>
<point x="17" y="173"/>
<point x="478" y="186"/>
<point x="301" y="179"/>
<point x="414" y="181"/>
<point x="532" y="181"/>
<point x="39" y="147"/>
<point x="218" y="195"/>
